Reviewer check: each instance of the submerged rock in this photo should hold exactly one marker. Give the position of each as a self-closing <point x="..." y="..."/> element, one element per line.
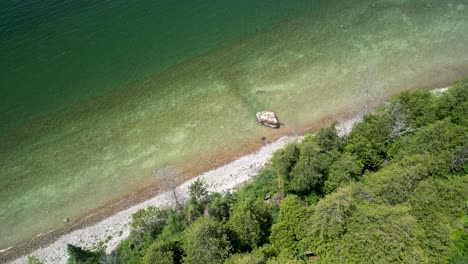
<point x="268" y="118"/>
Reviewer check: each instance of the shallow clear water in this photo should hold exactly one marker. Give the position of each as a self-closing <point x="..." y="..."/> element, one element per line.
<point x="316" y="63"/>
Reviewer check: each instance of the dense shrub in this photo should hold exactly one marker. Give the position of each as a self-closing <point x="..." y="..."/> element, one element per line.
<point x="289" y="233"/>
<point x="377" y="234"/>
<point x="250" y="224"/>
<point x="163" y="252"/>
<point x="78" y="255"/>
<point x="343" y="171"/>
<point x="367" y="140"/>
<point x="255" y="257"/>
<point x="205" y="241"/>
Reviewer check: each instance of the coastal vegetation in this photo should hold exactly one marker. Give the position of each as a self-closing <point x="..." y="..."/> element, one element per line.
<point x="394" y="190"/>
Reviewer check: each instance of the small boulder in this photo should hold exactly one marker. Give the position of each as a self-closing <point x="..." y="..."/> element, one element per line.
<point x="268" y="118"/>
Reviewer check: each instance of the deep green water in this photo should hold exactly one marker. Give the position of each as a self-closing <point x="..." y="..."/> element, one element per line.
<point x="56" y="53"/>
<point x="180" y="80"/>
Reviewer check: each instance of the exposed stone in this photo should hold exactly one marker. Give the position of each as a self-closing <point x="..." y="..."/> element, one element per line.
<point x="66" y="220"/>
<point x="268" y="118"/>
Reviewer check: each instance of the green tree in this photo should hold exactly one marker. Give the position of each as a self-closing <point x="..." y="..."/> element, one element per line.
<point x="198" y="199"/>
<point x="330" y="219"/>
<point x="437" y="205"/>
<point x="205" y="241"/>
<point x="367" y="140"/>
<point x="174" y="226"/>
<point x="162" y="252"/>
<point x="289" y="233"/>
<point x="342" y="172"/>
<point x="78" y="255"/>
<point x="418" y="106"/>
<point x="149" y="221"/>
<point x="328" y="139"/>
<point x="220" y="205"/>
<point x="440" y="136"/>
<point x="311" y="170"/>
<point x="454" y="103"/>
<point x="283" y="161"/>
<point x="262" y="184"/>
<point x="459" y="238"/>
<point x="377" y="234"/>
<point x="198" y="191"/>
<point x="255" y="257"/>
<point x="250" y="223"/>
<point x="285" y="260"/>
<point x="395" y="183"/>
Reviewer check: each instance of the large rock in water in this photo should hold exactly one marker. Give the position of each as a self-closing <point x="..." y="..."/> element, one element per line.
<point x="268" y="118"/>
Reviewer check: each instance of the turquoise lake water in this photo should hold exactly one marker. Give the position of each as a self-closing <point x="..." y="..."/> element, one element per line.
<point x="95" y="96"/>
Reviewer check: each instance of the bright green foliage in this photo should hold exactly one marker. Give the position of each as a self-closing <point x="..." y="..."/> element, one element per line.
<point x="342" y="172"/>
<point x="328" y="139"/>
<point x="255" y="257"/>
<point x="454" y="103"/>
<point x="249" y="223"/>
<point x="146" y="225"/>
<point x="437" y="204"/>
<point x="317" y="153"/>
<point x="263" y="184"/>
<point x="131" y="251"/>
<point x="307" y="173"/>
<point x="174" y="226"/>
<point x="377" y="234"/>
<point x="367" y="139"/>
<point x="149" y="221"/>
<point x="418" y="106"/>
<point x="205" y="241"/>
<point x="198" y="199"/>
<point x="330" y="218"/>
<point x="78" y="255"/>
<point x="198" y="191"/>
<point x="289" y="233"/>
<point x="285" y="260"/>
<point x="435" y="138"/>
<point x="193" y="211"/>
<point x="34" y="260"/>
<point x="220" y="205"/>
<point x="395" y="183"/>
<point x="268" y="251"/>
<point x="312" y="198"/>
<point x="283" y="161"/>
<point x="162" y="252"/>
<point x="459" y="238"/>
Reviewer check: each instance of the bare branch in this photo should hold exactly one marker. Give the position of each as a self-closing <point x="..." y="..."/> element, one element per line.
<point x="460" y="160"/>
<point x="399" y="124"/>
<point x="167" y="176"/>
